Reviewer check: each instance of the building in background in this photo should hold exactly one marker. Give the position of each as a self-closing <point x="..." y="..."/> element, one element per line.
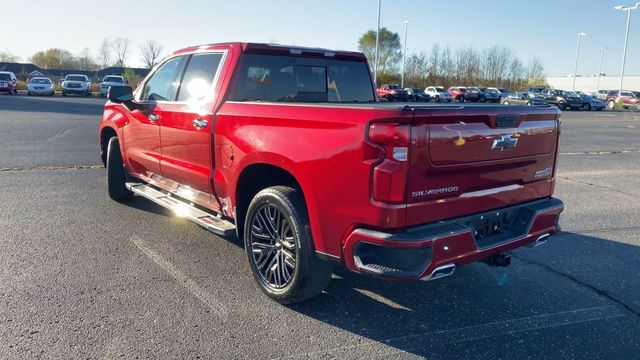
<point x="590" y="83"/>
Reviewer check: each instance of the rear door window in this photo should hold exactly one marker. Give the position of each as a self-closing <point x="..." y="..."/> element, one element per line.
<point x="198" y="79"/>
<point x="296" y="79"/>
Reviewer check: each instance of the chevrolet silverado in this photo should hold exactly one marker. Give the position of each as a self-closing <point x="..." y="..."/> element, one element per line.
<point x="290" y="150"/>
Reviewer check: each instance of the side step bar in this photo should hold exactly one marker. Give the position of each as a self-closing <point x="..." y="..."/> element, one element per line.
<point x="184" y="209"/>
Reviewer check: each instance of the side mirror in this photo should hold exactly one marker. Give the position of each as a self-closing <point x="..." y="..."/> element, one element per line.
<point x="120" y="94"/>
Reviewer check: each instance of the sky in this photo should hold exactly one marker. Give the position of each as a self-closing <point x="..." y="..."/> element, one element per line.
<point x="543" y="28"/>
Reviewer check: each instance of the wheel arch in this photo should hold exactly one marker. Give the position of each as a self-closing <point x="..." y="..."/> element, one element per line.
<point x="106" y="133"/>
<point x="254" y="178"/>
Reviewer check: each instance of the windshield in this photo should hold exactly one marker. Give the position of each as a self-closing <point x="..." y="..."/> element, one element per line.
<point x="503" y="90"/>
<point x="297" y="79"/>
<point x="5" y="77"/>
<point x="440" y="89"/>
<point x="491" y="91"/>
<point x="415" y="90"/>
<point x="570" y="94"/>
<point x="115" y="79"/>
<point x="75" y="78"/>
<point x="637" y="94"/>
<point x="40" y="81"/>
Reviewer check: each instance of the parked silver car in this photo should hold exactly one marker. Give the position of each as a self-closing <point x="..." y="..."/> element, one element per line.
<point x="438" y="94"/>
<point x="76" y="84"/>
<point x="40" y="86"/>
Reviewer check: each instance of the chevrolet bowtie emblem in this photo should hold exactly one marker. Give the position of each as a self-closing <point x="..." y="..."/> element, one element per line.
<point x="505" y="143"/>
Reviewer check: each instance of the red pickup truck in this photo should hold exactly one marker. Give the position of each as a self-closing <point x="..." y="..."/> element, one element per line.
<point x="289" y="149"/>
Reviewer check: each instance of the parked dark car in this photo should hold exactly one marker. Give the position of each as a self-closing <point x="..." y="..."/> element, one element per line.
<point x="589" y="102"/>
<point x="503" y="92"/>
<point x="392" y="93"/>
<point x="489" y="95"/>
<point x="524" y="98"/>
<point x="417" y="95"/>
<point x="563" y="99"/>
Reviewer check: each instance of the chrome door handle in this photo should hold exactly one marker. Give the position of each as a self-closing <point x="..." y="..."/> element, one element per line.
<point x="154" y="117"/>
<point x="200" y="123"/>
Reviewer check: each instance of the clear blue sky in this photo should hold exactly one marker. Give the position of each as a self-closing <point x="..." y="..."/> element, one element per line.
<point x="543" y="28"/>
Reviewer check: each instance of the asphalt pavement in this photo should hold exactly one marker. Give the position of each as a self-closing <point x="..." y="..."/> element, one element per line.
<point x="82" y="276"/>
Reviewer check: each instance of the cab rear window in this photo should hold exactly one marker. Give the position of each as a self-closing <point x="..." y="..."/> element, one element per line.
<point x="278" y="78"/>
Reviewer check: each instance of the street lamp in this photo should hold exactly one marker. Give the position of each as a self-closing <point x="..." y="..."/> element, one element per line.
<point x="375" y="65"/>
<point x="600" y="68"/>
<point x="575" y="70"/>
<point x="404" y="51"/>
<point x="626" y="39"/>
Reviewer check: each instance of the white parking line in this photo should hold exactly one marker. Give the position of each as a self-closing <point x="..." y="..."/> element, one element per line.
<point x="181" y="278"/>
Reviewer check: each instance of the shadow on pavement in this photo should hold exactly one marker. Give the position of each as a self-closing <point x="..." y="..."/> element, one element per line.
<point x="67" y="105"/>
<point x="483" y="307"/>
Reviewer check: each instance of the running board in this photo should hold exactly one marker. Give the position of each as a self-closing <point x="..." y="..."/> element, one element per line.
<point x="184" y="209"/>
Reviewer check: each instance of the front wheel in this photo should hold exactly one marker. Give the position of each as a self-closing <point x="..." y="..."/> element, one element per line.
<point x="528" y="103"/>
<point x="279" y="246"/>
<point x="505" y="103"/>
<point x="586" y="107"/>
<point x="562" y="106"/>
<point x="461" y="99"/>
<point x="116" y="174"/>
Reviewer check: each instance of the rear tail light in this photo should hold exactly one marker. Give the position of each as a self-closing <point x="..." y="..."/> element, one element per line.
<point x="390" y="172"/>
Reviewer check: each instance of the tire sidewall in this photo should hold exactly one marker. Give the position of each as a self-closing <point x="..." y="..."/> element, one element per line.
<point x="301" y="235"/>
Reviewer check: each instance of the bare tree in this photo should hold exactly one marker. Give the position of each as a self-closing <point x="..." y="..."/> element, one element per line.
<point x="104" y="54"/>
<point x="120" y="47"/>
<point x="150" y="51"/>
<point x="8" y="56"/>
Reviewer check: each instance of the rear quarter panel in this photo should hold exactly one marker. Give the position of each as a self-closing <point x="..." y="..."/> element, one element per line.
<point x="321" y="146"/>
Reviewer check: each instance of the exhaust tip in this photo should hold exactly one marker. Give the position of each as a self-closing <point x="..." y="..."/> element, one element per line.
<point x="540" y="240"/>
<point x="440" y="272"/>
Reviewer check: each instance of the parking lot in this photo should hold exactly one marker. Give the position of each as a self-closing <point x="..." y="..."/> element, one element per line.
<point x="82" y="276"/>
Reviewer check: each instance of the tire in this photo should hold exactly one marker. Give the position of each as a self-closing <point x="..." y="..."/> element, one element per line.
<point x="611" y="104"/>
<point x="64" y="93"/>
<point x="461" y="99"/>
<point x="437" y="98"/>
<point x="116" y="173"/>
<point x="283" y="208"/>
<point x="638" y="106"/>
<point x="586" y="107"/>
<point x="505" y="103"/>
<point x="29" y="93"/>
<point x="528" y="103"/>
<point x="15" y="91"/>
<point x="481" y="99"/>
<point x="562" y="105"/>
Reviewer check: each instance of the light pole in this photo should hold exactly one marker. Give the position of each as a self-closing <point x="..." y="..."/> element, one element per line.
<point x="404" y="51"/>
<point x="626" y="40"/>
<point x="375" y="65"/>
<point x="575" y="69"/>
<point x="600" y="68"/>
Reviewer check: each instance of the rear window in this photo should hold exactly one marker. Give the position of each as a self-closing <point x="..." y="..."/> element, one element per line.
<point x="75" y="78"/>
<point x="5" y="77"/>
<point x="115" y="79"/>
<point x="40" y="81"/>
<point x="298" y="79"/>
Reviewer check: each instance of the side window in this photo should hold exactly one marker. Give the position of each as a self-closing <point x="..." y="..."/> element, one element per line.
<point x="197" y="82"/>
<point x="159" y="86"/>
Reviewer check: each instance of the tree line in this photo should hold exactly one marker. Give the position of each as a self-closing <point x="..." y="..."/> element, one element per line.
<point x="112" y="52"/>
<point x="445" y="66"/>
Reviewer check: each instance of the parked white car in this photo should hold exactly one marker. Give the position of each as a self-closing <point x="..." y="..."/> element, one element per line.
<point x="76" y="84"/>
<point x="40" y="86"/>
<point x="110" y="80"/>
<point x="438" y="94"/>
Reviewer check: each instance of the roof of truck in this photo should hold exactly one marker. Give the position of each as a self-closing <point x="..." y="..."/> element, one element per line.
<point x="249" y="47"/>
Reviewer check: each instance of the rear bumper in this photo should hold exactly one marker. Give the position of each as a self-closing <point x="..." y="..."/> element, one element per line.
<point x="419" y="251"/>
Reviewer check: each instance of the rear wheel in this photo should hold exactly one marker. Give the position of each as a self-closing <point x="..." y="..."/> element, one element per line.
<point x="505" y="103"/>
<point x="586" y="107"/>
<point x="528" y="103"/>
<point x="562" y="105"/>
<point x="437" y="98"/>
<point x="461" y="99"/>
<point x="279" y="246"/>
<point x="116" y="174"/>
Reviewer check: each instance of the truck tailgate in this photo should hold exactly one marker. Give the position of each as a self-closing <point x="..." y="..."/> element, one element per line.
<point x="470" y="159"/>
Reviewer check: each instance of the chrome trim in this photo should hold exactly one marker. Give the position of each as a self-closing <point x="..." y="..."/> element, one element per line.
<point x="440" y="272"/>
<point x="540" y="240"/>
<point x="491" y="191"/>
